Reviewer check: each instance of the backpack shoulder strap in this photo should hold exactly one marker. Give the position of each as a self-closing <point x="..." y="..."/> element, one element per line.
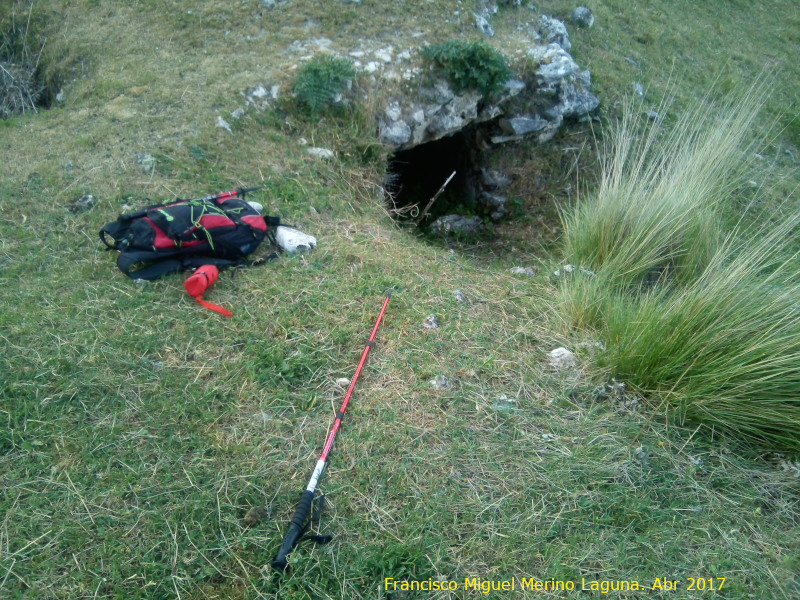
<point x="114" y="232"/>
<point x="152" y="269"/>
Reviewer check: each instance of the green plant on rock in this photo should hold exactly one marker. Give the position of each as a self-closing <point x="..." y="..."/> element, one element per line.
<point x="470" y="65"/>
<point x="321" y="80"/>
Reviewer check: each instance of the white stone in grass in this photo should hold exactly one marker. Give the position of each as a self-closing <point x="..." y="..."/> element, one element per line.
<point x="291" y="240"/>
<point x="431" y="322"/>
<point x="582" y="17"/>
<point x="223" y="124"/>
<point x="562" y="359"/>
<point x="654" y="116"/>
<point x="482" y="23"/>
<point x="567" y="269"/>
<point x="384" y="54"/>
<point x="343" y="382"/>
<point x="324" y="153"/>
<point x="441" y="382"/>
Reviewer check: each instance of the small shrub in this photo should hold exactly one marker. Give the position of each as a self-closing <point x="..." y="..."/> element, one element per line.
<point x="20" y="86"/>
<point x="321" y="80"/>
<point x="20" y="89"/>
<point x="470" y="65"/>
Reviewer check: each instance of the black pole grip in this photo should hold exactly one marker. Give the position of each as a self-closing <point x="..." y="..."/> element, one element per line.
<point x="296" y="528"/>
<point x="244" y="191"/>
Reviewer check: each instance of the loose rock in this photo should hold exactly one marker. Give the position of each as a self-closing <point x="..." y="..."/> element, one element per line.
<point x="654" y="116"/>
<point x="555" y="31"/>
<point x="431" y="322"/>
<point x="456" y="224"/>
<point x="441" y="382"/>
<point x="582" y="17"/>
<point x="324" y="153"/>
<point x="562" y="359"/>
<point x="292" y="240"/>
<point x="146" y="161"/>
<point x="83" y="204"/>
<point x="223" y="124"/>
<point x="568" y="269"/>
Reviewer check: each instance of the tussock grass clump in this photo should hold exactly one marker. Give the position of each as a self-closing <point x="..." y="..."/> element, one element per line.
<point x="723" y="350"/>
<point x="656" y="212"/>
<point x="706" y="324"/>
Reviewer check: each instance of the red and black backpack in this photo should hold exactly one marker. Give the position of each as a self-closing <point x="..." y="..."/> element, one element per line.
<point x="166" y="238"/>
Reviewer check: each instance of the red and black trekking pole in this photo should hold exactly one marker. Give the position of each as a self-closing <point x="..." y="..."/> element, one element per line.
<point x="240" y="193"/>
<point x="299" y="524"/>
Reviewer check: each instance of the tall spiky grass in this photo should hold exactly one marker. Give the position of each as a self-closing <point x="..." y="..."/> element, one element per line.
<point x="656" y="211"/>
<point x="706" y="324"/>
<point x="724" y="349"/>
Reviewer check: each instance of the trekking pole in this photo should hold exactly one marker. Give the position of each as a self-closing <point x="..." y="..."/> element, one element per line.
<point x="298" y="525"/>
<point x="240" y="193"/>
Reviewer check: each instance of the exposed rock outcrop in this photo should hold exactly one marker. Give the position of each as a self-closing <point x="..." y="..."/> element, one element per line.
<point x="536" y="106"/>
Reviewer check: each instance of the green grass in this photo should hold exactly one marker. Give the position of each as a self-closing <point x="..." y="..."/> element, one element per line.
<point x="137" y="429"/>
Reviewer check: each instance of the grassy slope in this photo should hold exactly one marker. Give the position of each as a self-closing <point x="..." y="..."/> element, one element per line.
<point x="139" y="429"/>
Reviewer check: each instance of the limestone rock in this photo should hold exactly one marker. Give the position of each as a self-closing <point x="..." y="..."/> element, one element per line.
<point x="562" y="359"/>
<point x="431" y="322"/>
<point x="555" y="64"/>
<point x="482" y="23"/>
<point x="395" y="133"/>
<point x="456" y="224"/>
<point x="293" y="240"/>
<point x="223" y="124"/>
<point x="441" y="382"/>
<point x="582" y="17"/>
<point x="554" y="31"/>
<point x="83" y="204"/>
<point x="523" y="124"/>
<point x="146" y="161"/>
<point x="325" y="153"/>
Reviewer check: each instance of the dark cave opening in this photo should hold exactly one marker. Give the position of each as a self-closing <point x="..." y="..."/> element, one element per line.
<point x="418" y="173"/>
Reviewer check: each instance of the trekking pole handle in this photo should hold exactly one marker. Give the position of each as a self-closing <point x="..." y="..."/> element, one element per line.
<point x="295" y="531"/>
<point x="243" y="191"/>
<point x="239" y="193"/>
